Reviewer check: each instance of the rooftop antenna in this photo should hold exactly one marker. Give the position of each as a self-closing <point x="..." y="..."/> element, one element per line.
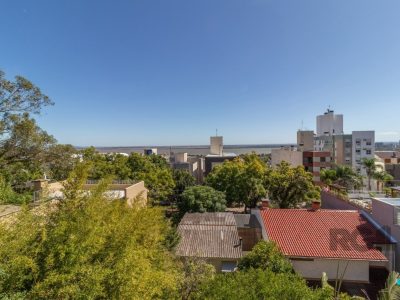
<point x="302" y="125"/>
<point x="216" y="132"/>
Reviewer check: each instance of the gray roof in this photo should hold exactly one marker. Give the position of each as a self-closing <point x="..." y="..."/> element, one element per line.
<point x="216" y="218"/>
<point x="209" y="235"/>
<point x="246" y="221"/>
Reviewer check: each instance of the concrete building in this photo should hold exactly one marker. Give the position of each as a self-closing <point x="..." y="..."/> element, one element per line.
<point x="318" y="240"/>
<point x="329" y="123"/>
<point x="363" y="147"/>
<point x="288" y="154"/>
<point x="193" y="164"/>
<point x="216" y="145"/>
<point x="130" y="192"/>
<point x="217" y="155"/>
<point x="150" y="151"/>
<point x="305" y="140"/>
<point x="386" y="211"/>
<point x="315" y="161"/>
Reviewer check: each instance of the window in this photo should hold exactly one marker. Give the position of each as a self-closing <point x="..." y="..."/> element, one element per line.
<point x="368" y="152"/>
<point x="358" y="151"/>
<point x="323" y="159"/>
<point x="228" y="266"/>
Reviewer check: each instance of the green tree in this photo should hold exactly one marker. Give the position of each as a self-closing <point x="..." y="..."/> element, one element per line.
<point x="183" y="179"/>
<point x="201" y="199"/>
<point x="60" y="161"/>
<point x="87" y="247"/>
<point x="242" y="180"/>
<point x="382" y="178"/>
<point x="328" y="176"/>
<point x="17" y="98"/>
<point x="196" y="271"/>
<point x="258" y="284"/>
<point x="265" y="255"/>
<point x="370" y="168"/>
<point x="288" y="187"/>
<point x="24" y="150"/>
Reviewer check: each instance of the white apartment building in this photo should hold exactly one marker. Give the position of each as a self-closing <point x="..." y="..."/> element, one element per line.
<point x="329" y="123"/>
<point x="363" y="146"/>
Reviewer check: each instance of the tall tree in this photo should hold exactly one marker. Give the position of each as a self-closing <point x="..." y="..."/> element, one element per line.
<point x="288" y="187"/>
<point x="242" y="180"/>
<point x="103" y="250"/>
<point x="183" y="179"/>
<point x="17" y="98"/>
<point x="370" y="168"/>
<point x="201" y="199"/>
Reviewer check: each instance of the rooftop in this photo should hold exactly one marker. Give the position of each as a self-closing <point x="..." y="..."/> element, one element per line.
<point x="209" y="235"/>
<point x="391" y="201"/>
<point x="225" y="154"/>
<point x="307" y="233"/>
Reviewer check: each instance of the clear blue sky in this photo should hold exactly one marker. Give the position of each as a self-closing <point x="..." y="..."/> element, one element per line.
<point x="169" y="72"/>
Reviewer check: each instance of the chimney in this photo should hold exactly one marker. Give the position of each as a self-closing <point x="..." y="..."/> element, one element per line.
<point x="316" y="205"/>
<point x="264" y="204"/>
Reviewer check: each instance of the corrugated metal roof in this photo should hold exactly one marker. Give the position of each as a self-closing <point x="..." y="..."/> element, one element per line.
<point x="307" y="233"/>
<point x="209" y="235"/>
<point x="217" y="218"/>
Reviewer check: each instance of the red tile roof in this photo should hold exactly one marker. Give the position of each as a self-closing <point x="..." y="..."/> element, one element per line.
<point x="323" y="234"/>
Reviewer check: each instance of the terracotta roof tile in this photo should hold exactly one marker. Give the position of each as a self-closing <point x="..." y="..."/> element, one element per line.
<point x="323" y="233"/>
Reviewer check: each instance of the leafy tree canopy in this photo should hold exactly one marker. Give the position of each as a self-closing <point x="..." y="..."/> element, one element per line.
<point x="265" y="255"/>
<point x="201" y="199"/>
<point x="242" y="180"/>
<point x="86" y="247"/>
<point x="290" y="186"/>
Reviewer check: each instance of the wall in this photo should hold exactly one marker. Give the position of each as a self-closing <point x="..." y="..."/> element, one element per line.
<point x="364" y="137"/>
<point x="295" y="158"/>
<point x="217" y="262"/>
<point x="250" y="237"/>
<point x="356" y="270"/>
<point x="135" y="190"/>
<point x="384" y="213"/>
<point x="331" y="201"/>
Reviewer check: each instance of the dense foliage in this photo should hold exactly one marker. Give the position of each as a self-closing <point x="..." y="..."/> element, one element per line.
<point x="290" y="186"/>
<point x="242" y="180"/>
<point x="342" y="175"/>
<point x="201" y="199"/>
<point x="266" y="256"/>
<point x="86" y="247"/>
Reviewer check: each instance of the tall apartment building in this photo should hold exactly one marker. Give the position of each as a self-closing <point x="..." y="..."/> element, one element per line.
<point x="329" y="123"/>
<point x="305" y="140"/>
<point x="363" y="147"/>
<point x="345" y="149"/>
<point x="315" y="161"/>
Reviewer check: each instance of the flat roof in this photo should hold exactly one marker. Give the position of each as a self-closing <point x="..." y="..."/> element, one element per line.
<point x="225" y="154"/>
<point x="391" y="201"/>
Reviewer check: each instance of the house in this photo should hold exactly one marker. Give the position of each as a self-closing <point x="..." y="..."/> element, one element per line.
<point x="135" y="191"/>
<point x="212" y="236"/>
<point x="318" y="240"/>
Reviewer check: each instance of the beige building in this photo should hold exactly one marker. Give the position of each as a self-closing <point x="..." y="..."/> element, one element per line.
<point x="305" y="140"/>
<point x="131" y="192"/>
<point x="288" y="154"/>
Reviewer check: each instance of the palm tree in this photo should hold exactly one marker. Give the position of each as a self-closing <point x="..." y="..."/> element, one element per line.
<point x="347" y="177"/>
<point x="382" y="177"/>
<point x="370" y="167"/>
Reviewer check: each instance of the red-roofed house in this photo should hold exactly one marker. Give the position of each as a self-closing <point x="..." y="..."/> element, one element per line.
<point x="318" y="240"/>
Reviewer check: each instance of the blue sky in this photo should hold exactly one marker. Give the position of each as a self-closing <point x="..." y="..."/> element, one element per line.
<point x="167" y="72"/>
